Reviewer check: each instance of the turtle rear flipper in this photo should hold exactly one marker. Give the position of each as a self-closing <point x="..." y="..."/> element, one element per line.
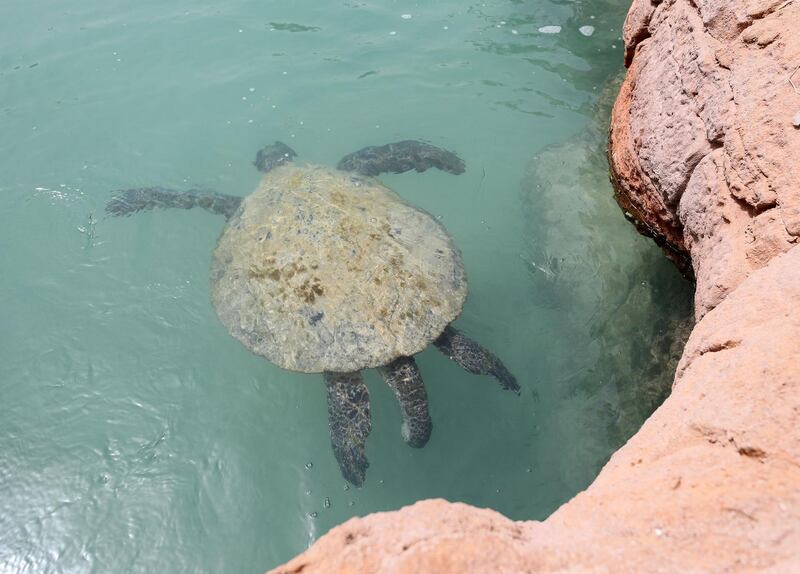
<point x="399" y="157"/>
<point x="403" y="376"/>
<point x="129" y="201"/>
<point x="474" y="358"/>
<point x="350" y="423"/>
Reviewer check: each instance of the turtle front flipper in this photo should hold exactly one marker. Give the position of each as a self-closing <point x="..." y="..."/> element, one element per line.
<point x="474" y="358"/>
<point x="129" y="201"/>
<point x="399" y="157"/>
<point x="349" y="422"/>
<point x="403" y="376"/>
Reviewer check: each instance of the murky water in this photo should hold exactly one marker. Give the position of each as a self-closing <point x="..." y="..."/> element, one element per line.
<point x="136" y="435"/>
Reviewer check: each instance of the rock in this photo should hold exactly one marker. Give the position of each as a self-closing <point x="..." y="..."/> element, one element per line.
<point x="702" y="114"/>
<point x="634" y="190"/>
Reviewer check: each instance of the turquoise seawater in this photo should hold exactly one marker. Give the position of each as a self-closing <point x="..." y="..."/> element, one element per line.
<point x="136" y="435"/>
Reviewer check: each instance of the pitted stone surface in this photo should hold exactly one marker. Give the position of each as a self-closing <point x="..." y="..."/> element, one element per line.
<point x="706" y="111"/>
<point x="323" y="270"/>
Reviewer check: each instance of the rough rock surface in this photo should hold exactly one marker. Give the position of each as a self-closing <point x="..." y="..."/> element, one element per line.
<point x="704" y="158"/>
<point x="703" y="148"/>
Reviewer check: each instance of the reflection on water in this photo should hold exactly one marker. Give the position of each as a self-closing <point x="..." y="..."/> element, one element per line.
<point x="136" y="434"/>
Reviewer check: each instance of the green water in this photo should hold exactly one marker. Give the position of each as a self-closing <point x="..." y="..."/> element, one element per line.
<point x="136" y="435"/>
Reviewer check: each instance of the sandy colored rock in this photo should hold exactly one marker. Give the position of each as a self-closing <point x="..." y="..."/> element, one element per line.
<point x="704" y="159"/>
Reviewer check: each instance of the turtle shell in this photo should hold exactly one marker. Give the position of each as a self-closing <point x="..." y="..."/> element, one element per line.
<point x="325" y="270"/>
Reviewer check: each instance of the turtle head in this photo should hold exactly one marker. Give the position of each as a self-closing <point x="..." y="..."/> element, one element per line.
<point x="273" y="155"/>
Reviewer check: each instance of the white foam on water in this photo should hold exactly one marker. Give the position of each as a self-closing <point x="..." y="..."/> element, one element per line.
<point x="550" y="29"/>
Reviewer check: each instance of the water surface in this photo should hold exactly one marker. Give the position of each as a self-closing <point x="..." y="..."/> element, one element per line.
<point x="136" y="435"/>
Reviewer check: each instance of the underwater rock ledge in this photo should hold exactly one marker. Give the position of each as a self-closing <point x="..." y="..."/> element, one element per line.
<point x="704" y="157"/>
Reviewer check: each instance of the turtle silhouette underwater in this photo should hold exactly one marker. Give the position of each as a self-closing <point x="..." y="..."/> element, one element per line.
<point x="324" y="270"/>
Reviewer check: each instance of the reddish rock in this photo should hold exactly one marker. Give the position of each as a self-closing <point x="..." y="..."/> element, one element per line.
<point x="702" y="142"/>
<point x="704" y="157"/>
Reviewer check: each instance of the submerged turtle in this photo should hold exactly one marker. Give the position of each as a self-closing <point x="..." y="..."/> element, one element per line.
<point x="325" y="270"/>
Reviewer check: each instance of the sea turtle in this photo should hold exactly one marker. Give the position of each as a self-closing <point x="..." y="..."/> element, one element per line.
<point x="324" y="270"/>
